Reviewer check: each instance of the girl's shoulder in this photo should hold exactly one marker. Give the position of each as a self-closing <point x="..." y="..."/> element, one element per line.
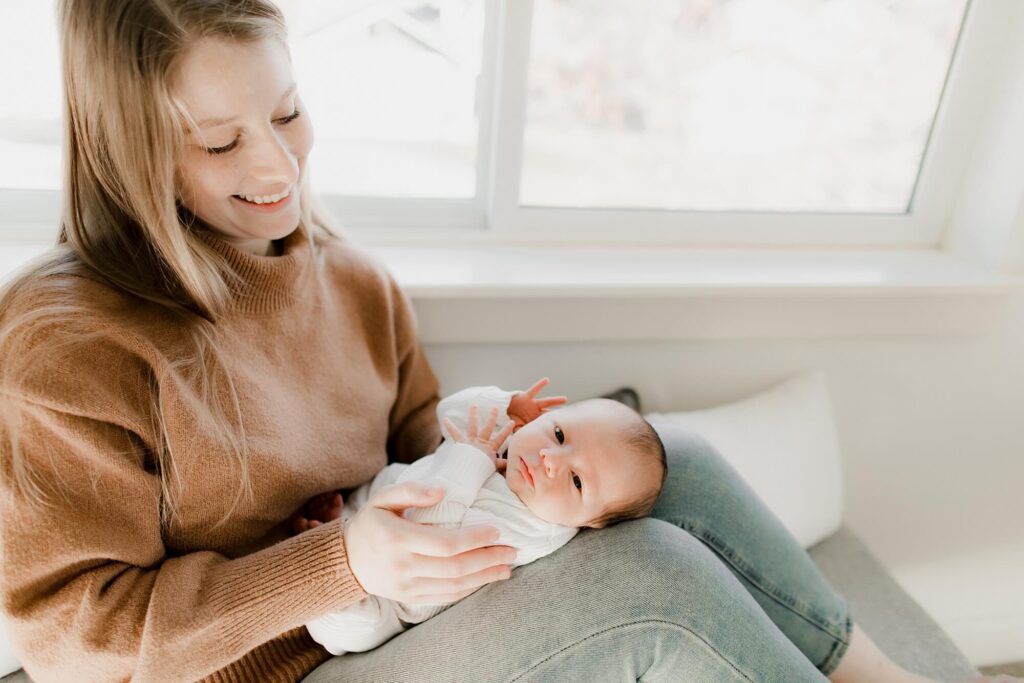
<point x="47" y="300"/>
<point x="66" y="338"/>
<point x="355" y="267"/>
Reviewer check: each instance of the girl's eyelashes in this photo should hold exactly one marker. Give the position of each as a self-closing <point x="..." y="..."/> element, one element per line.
<point x="224" y="149"/>
<point x="577" y="482"/>
<point x="559" y="434"/>
<point x="234" y="143"/>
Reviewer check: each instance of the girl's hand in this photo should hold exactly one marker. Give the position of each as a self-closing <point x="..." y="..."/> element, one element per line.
<point x="417" y="563"/>
<point x="484" y="440"/>
<point x="526" y="407"/>
<point x="318" y="510"/>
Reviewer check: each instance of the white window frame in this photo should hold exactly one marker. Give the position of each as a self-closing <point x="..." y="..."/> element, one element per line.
<point x="494" y="215"/>
<point x="922" y="226"/>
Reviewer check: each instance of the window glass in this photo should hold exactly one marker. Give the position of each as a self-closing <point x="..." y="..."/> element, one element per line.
<point x="391" y="88"/>
<point x="733" y="105"/>
<point x="30" y="116"/>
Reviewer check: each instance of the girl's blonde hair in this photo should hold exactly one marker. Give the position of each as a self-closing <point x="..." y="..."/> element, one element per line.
<point x="121" y="221"/>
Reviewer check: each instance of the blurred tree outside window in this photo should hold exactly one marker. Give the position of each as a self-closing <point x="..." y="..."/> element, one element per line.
<point x="733" y="105"/>
<point x="713" y="105"/>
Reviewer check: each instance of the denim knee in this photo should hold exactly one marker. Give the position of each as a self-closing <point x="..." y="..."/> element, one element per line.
<point x="704" y="495"/>
<point x="666" y="590"/>
<point x="641" y="600"/>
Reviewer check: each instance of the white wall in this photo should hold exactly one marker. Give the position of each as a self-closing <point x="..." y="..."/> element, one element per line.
<point x="932" y="432"/>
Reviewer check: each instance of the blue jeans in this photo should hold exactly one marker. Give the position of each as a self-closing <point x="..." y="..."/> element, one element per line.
<point x="710" y="588"/>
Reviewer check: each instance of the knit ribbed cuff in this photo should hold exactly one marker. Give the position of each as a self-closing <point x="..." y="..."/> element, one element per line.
<point x="462" y="469"/>
<point x="281" y="587"/>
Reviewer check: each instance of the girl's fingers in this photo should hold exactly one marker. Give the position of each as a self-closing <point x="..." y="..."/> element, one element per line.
<point x="551" y="401"/>
<point x="461" y="566"/>
<point x="537" y="386"/>
<point x="438" y="542"/>
<point x="442" y="588"/>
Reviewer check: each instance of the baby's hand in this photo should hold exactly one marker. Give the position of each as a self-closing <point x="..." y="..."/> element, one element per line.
<point x="484" y="440"/>
<point x="318" y="510"/>
<point x="526" y="407"/>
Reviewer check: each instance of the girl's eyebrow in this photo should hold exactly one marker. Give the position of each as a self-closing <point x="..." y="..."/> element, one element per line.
<point x="220" y="121"/>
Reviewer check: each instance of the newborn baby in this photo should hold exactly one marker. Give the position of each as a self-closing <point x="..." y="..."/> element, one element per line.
<point x="538" y="479"/>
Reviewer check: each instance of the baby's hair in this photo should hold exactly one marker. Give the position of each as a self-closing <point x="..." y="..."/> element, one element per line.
<point x="642" y="441"/>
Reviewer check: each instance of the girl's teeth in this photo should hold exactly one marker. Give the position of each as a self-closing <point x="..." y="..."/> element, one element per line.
<point x="265" y="199"/>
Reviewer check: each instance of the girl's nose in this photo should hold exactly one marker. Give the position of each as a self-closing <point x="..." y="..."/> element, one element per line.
<point x="272" y="160"/>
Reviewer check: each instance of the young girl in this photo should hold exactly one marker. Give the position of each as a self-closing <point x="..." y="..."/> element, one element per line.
<point x="198" y="356"/>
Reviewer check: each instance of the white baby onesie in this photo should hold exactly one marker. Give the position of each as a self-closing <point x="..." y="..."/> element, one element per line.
<point x="475" y="495"/>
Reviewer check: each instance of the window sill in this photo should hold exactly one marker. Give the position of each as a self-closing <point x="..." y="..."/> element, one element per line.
<point x="561" y="294"/>
<point x="519" y="294"/>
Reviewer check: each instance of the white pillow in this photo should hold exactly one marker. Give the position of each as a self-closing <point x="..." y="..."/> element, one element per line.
<point x="783" y="442"/>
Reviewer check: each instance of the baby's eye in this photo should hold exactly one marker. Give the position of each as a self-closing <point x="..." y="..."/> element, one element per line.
<point x="559" y="436"/>
<point x="577" y="482"/>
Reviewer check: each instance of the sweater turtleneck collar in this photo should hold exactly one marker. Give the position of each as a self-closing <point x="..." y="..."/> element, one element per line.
<point x="267" y="282"/>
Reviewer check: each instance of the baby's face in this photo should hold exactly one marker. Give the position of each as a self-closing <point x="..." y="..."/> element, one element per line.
<point x="570" y="465"/>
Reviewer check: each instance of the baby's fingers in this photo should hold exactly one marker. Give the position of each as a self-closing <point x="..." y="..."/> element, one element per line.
<point x="500" y="437"/>
<point x="537" y="386"/>
<point x="543" y="403"/>
<point x="453" y="430"/>
<point x="299" y="524"/>
<point x="492" y="420"/>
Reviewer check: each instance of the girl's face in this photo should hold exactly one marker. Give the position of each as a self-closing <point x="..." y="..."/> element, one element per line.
<point x="243" y="163"/>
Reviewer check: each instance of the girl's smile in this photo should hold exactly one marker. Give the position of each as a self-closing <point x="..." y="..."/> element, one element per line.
<point x="265" y="206"/>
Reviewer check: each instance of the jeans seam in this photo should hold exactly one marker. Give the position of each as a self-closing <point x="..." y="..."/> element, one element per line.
<point x="798" y="607"/>
<point x="839" y="649"/>
<point x="635" y="623"/>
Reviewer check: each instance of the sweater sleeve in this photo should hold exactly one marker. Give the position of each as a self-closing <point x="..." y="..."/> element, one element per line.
<point x="412" y="428"/>
<point x="89" y="589"/>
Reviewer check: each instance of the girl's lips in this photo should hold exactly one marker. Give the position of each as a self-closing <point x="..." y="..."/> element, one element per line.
<point x="527" y="474"/>
<point x="265" y="208"/>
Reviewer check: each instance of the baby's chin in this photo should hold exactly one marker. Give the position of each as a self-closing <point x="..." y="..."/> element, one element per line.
<point x="550" y="520"/>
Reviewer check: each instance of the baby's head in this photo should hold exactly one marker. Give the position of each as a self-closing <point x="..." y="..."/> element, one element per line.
<point x="590" y="464"/>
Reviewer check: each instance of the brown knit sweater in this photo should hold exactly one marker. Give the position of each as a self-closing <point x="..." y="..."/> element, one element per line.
<point x="331" y="383"/>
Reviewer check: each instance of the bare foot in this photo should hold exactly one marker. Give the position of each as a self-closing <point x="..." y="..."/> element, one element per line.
<point x="865" y="663"/>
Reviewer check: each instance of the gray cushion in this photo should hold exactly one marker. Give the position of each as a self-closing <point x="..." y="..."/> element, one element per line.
<point x="900" y="627"/>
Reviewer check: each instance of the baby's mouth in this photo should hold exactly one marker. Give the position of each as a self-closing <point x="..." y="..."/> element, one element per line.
<point x="525" y="470"/>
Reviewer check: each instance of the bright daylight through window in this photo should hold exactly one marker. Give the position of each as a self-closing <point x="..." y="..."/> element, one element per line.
<point x="390" y="86"/>
<point x="747" y="105"/>
<point x="705" y="105"/>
